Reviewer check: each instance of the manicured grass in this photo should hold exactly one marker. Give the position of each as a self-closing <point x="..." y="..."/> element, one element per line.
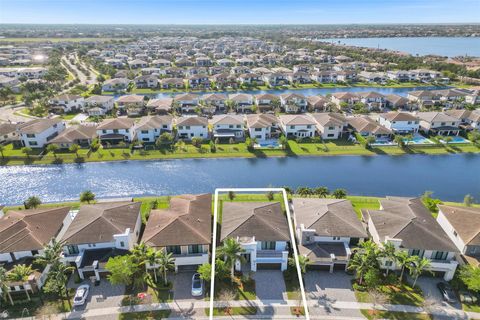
<point x="235" y="311"/>
<point x="292" y="284"/>
<point x="471" y="307"/>
<point x="395" y="294"/>
<point x="360" y="203"/>
<point x="159" y="314"/>
<point x="377" y="314"/>
<point x="245" y="293"/>
<point x="37" y="306"/>
<point x="69" y="116"/>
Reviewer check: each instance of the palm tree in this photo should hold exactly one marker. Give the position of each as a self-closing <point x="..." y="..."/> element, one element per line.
<point x="51" y="253"/>
<point x="389" y="252"/>
<point x="140" y="253"/>
<point x="20" y="273"/>
<point x="166" y="263"/>
<point x="417" y="266"/>
<point x="58" y="274"/>
<point x="403" y="260"/>
<point x="231" y="250"/>
<point x="365" y="257"/>
<point x="74" y="148"/>
<point x="2" y="149"/>
<point x="303" y="262"/>
<point x="3" y="284"/>
<point x="27" y="151"/>
<point x="153" y="259"/>
<point x="53" y="149"/>
<point x="321" y="192"/>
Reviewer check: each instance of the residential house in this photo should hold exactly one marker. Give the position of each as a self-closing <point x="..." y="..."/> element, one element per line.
<point x="462" y="225"/>
<point x="276" y="78"/>
<point x="394" y="101"/>
<point x="469" y="120"/>
<point x="131" y="104"/>
<point x="261" y="228"/>
<point x="146" y="81"/>
<point x="399" y="75"/>
<point x="424" y="75"/>
<point x="187" y="102"/>
<point x="228" y="127"/>
<point x="326" y="230"/>
<point x="410" y="227"/>
<point x="342" y="99"/>
<point x="374" y="101"/>
<point x="172" y="83"/>
<point x="137" y="64"/>
<point x="262" y="126"/>
<point x="115" y="85"/>
<point x="184" y="229"/>
<point x="329" y="125"/>
<point x="293" y="102"/>
<point x="66" y="103"/>
<point x="213" y="102"/>
<point x="317" y="103"/>
<point x="242" y="101"/>
<point x="325" y="76"/>
<point x="251" y="79"/>
<point x="116" y="130"/>
<point x="299" y="77"/>
<point x="192" y="127"/>
<point x="199" y="81"/>
<point x="160" y="106"/>
<point x="266" y="101"/>
<point x="399" y="122"/>
<point x="438" y="123"/>
<point x="148" y="129"/>
<point x="377" y="77"/>
<point x="367" y="127"/>
<point x="98" y="105"/>
<point x="37" y="133"/>
<point x="78" y="134"/>
<point x="98" y="232"/>
<point x="297" y="126"/>
<point x="9" y="133"/>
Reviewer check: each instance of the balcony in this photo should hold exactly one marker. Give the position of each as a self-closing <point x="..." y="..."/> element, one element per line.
<point x="269" y="254"/>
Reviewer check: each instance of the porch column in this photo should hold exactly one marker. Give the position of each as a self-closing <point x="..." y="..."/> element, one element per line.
<point x="80" y="274"/>
<point x="331" y="267"/>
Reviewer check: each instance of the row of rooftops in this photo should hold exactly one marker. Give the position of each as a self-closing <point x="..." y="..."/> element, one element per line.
<point x="188" y="221"/>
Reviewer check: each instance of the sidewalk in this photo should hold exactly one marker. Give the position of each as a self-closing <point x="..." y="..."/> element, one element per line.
<point x="436" y="311"/>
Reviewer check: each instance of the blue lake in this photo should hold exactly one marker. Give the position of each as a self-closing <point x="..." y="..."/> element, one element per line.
<point x="442" y="46"/>
<point x="450" y="177"/>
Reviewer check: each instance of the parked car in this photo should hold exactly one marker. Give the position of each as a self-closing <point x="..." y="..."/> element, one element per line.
<point x="467" y="297"/>
<point x="81" y="295"/>
<point x="447" y="292"/>
<point x="197" y="285"/>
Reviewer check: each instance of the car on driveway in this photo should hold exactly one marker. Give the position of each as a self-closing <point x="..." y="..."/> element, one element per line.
<point x="447" y="292"/>
<point x="197" y="285"/>
<point x="81" y="295"/>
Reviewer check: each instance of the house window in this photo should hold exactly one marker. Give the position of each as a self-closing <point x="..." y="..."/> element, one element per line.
<point x="187" y="127"/>
<point x="180" y="127"/>
<point x="33" y="143"/>
<point x="230" y="126"/>
<point x="164" y="126"/>
<point x="416" y="252"/>
<point x="292" y="127"/>
<point x="174" y="249"/>
<point x="331" y="128"/>
<point x="336" y="238"/>
<point x="104" y="131"/>
<point x="439" y="255"/>
<point x="309" y="126"/>
<point x="72" y="249"/>
<point x="258" y="129"/>
<point x="30" y="135"/>
<point x="194" y="248"/>
<point x="268" y="245"/>
<point x="388" y="263"/>
<point x="115" y="130"/>
<point x="34" y="252"/>
<point x="122" y="244"/>
<point x="145" y="131"/>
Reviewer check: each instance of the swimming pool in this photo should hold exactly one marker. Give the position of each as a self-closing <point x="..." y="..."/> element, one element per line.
<point x="270" y="143"/>
<point x="418" y="139"/>
<point x="456" y="139"/>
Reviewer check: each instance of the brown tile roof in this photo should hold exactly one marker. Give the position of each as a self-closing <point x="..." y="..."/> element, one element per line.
<point x="116" y="123"/>
<point x="366" y="124"/>
<point x="96" y="223"/>
<point x="398" y="116"/>
<point x="75" y="133"/>
<point x="154" y="122"/>
<point x="227" y="119"/>
<point x="187" y="221"/>
<point x="192" y="121"/>
<point x="329" y="119"/>
<point x="131" y="98"/>
<point x="263" y="220"/>
<point x="296" y="119"/>
<point x="261" y="120"/>
<point x="38" y="125"/>
<point x="29" y="230"/>
<point x="465" y="221"/>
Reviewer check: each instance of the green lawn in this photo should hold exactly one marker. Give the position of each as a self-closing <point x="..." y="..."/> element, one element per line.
<point x="360" y="203"/>
<point x="235" y="311"/>
<point x="396" y="294"/>
<point x="377" y="314"/>
<point x="245" y="293"/>
<point x="37" y="306"/>
<point x="149" y="315"/>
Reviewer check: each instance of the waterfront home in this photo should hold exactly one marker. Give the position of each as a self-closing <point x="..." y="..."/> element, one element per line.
<point x="137" y="63"/>
<point x="367" y="127"/>
<point x="224" y="80"/>
<point x="347" y="76"/>
<point x="276" y="78"/>
<point x="198" y="81"/>
<point x="462" y="225"/>
<point x="242" y="101"/>
<point x="469" y="120"/>
<point x="399" y="75"/>
<point x="376" y="77"/>
<point x="344" y="98"/>
<point x="148" y="129"/>
<point x="98" y="105"/>
<point x="451" y="98"/>
<point x="297" y="126"/>
<point x="438" y="123"/>
<point x="424" y="75"/>
<point x="399" y="122"/>
<point x="423" y="98"/>
<point x="262" y="126"/>
<point x="115" y="84"/>
<point x="98" y="232"/>
<point x="192" y="127"/>
<point x="372" y="100"/>
<point x="184" y="229"/>
<point x="78" y="134"/>
<point x="169" y="83"/>
<point x="131" y="104"/>
<point x="23" y="235"/>
<point x="9" y="133"/>
<point x="212" y="102"/>
<point x="228" y="127"/>
<point x="187" y="102"/>
<point x="160" y="106"/>
<point x="317" y="103"/>
<point x="261" y="228"/>
<point x="325" y="76"/>
<point x="299" y="77"/>
<point x="146" y="81"/>
<point x="326" y="229"/>
<point x="66" y="103"/>
<point x="329" y="125"/>
<point x="116" y="130"/>
<point x="251" y="79"/>
<point x="37" y="133"/>
<point x="293" y="102"/>
<point x="394" y="101"/>
<point x="409" y="226"/>
<point x="266" y="101"/>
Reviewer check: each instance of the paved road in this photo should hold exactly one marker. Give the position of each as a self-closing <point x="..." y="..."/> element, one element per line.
<point x="84" y="79"/>
<point x="7" y="114"/>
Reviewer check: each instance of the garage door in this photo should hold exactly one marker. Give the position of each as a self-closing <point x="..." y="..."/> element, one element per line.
<point x="269" y="266"/>
<point x="339" y="266"/>
<point x="318" y="267"/>
<point x="188" y="268"/>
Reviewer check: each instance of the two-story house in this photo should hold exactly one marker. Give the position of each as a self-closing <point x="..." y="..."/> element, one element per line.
<point x="329" y="125"/>
<point x="469" y="119"/>
<point x="293" y="102"/>
<point x="212" y="102"/>
<point x="131" y="104"/>
<point x="228" y="127"/>
<point x="262" y="126"/>
<point x="98" y="105"/>
<point x="98" y="232"/>
<point x="242" y="101"/>
<point x="409" y="226"/>
<point x="297" y="126"/>
<point x="115" y="84"/>
<point x="37" y="133"/>
<point x="116" y="130"/>
<point x="160" y="105"/>
<point x="148" y="129"/>
<point x="261" y="228"/>
<point x="192" y="127"/>
<point x="399" y="122"/>
<point x="187" y="102"/>
<point x="66" y="103"/>
<point x="326" y="229"/>
<point x="367" y="127"/>
<point x="184" y="229"/>
<point x="438" y="123"/>
<point x="462" y="225"/>
<point x="266" y="101"/>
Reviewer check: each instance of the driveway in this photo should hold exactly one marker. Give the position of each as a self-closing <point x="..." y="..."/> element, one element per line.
<point x="182" y="291"/>
<point x="105" y="295"/>
<point x="269" y="285"/>
<point x="325" y="289"/>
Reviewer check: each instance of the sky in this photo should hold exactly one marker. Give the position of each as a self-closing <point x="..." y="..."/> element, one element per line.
<point x="238" y="11"/>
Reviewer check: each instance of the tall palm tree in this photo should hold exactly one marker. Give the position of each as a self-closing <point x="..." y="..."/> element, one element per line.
<point x="417" y="266"/>
<point x="321" y="192"/>
<point x="231" y="250"/>
<point x="153" y="258"/>
<point x="166" y="263"/>
<point x="51" y="253"/>
<point x="403" y="260"/>
<point x="140" y="253"/>
<point x="361" y="264"/>
<point x="59" y="273"/>
<point x="20" y="273"/>
<point x="3" y="284"/>
<point x="303" y="261"/>
<point x="388" y="252"/>
<point x="365" y="257"/>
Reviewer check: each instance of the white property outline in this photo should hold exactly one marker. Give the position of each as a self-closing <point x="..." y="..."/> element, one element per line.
<point x="292" y="237"/>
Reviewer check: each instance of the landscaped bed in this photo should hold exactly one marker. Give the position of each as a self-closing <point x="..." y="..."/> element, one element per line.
<point x="149" y="315"/>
